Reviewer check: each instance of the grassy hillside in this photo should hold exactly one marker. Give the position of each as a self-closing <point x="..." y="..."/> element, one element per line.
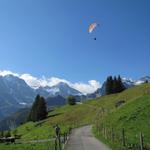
<point x="99" y="110"/>
<point x="66" y="117"/>
<point x="133" y="117"/>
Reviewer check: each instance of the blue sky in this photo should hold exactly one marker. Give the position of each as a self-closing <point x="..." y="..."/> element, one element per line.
<point x="49" y="37"/>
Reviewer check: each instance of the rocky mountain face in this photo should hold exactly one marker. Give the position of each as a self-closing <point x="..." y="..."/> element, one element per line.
<point x="15" y="93"/>
<point x="61" y="89"/>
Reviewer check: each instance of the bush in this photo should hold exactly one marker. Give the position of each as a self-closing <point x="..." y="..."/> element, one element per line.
<point x="7" y="134"/>
<point x="1" y="134"/>
<point x="71" y="100"/>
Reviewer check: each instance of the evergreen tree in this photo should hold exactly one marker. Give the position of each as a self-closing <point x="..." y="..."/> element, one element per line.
<point x="114" y="85"/>
<point x="42" y="109"/>
<point x="8" y="134"/>
<point x="71" y="100"/>
<point x="15" y="132"/>
<point x="1" y="134"/>
<point x="109" y="85"/>
<point x="33" y="113"/>
<point x="121" y="86"/>
<point x="38" y="111"/>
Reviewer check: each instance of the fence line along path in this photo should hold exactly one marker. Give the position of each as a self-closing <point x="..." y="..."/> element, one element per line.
<point x="83" y="139"/>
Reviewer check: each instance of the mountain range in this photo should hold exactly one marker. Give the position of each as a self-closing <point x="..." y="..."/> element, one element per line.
<point x="15" y="93"/>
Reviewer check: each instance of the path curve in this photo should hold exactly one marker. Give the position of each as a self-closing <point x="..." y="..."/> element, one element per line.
<point x="83" y="139"/>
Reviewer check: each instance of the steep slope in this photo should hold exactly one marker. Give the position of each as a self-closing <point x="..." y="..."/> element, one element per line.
<point x="18" y="89"/>
<point x="133" y="117"/>
<point x="15" y="119"/>
<point x="64" y="90"/>
<point x="14" y="94"/>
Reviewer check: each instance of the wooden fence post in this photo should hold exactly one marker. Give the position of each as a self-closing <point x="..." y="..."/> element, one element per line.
<point x="99" y="131"/>
<point x="64" y="138"/>
<point x="55" y="143"/>
<point x="59" y="141"/>
<point x="112" y="135"/>
<point x="141" y="141"/>
<point x="105" y="133"/>
<point x="123" y="137"/>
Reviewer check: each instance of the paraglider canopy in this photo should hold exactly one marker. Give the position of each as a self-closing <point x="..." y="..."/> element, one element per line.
<point x="92" y="27"/>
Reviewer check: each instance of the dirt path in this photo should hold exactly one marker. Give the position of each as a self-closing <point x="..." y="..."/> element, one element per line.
<point x="83" y="139"/>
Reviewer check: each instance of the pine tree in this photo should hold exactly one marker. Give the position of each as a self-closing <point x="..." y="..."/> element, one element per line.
<point x="121" y="87"/>
<point x="38" y="111"/>
<point x="8" y="134"/>
<point x="15" y="132"/>
<point x="114" y="85"/>
<point x="1" y="134"/>
<point x="109" y="85"/>
<point x="71" y="100"/>
<point x="33" y="113"/>
<point x="42" y="110"/>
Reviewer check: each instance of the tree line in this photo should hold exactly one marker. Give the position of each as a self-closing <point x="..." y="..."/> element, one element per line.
<point x="114" y="85"/>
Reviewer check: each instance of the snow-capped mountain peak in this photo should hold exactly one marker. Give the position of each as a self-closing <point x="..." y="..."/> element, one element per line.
<point x="142" y="80"/>
<point x="128" y="82"/>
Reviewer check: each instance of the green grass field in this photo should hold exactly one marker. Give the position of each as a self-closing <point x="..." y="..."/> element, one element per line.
<point x="133" y="116"/>
<point x="34" y="146"/>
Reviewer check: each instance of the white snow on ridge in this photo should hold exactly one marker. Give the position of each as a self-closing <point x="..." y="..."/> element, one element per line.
<point x="23" y="103"/>
<point x="53" y="90"/>
<point x="34" y="82"/>
<point x="85" y="88"/>
<point x="138" y="82"/>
